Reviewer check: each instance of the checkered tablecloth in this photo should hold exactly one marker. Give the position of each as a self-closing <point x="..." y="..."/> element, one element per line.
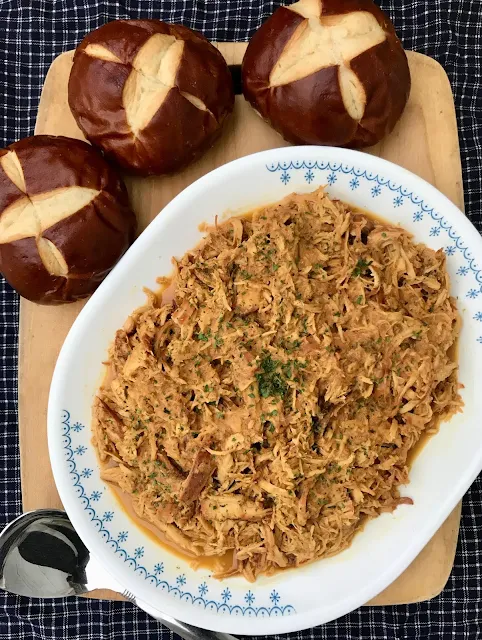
<point x="32" y="33"/>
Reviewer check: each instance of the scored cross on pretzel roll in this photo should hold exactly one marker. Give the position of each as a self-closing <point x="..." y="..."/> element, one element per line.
<point x="65" y="218"/>
<point x="152" y="95"/>
<point x="329" y="72"/>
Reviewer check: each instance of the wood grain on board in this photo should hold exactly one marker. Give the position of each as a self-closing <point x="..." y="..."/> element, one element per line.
<point x="425" y="141"/>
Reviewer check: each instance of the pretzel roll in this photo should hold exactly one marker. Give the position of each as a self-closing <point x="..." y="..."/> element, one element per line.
<point x="153" y="96"/>
<point x="330" y="72"/>
<point x="65" y="218"/>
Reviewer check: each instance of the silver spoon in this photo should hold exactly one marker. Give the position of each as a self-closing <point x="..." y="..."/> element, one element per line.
<point x="41" y="556"/>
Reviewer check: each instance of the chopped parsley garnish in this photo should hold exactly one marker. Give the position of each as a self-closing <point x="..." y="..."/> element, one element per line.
<point x="270" y="382"/>
<point x="290" y="345"/>
<point x="271" y="385"/>
<point x="361" y="267"/>
<point x="204" y="337"/>
<point x="287" y="371"/>
<point x="268" y="365"/>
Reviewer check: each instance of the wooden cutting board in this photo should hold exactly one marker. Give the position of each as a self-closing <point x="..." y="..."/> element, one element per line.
<point x="425" y="141"/>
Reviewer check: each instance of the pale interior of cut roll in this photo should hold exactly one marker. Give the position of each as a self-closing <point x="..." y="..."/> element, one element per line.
<point x="321" y="42"/>
<point x="31" y="215"/>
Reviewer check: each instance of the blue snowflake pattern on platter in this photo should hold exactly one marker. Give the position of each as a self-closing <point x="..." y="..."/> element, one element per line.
<point x="80" y="450"/>
<point x="418" y="216"/>
<point x="203" y="589"/>
<point x="86" y="473"/>
<point x="473" y="293"/>
<point x="478" y="316"/>
<point x="309" y="176"/>
<point x="250" y="597"/>
<point x="398" y="201"/>
<point x="274" y="597"/>
<point x="115" y="542"/>
<point x="285" y="177"/>
<point x="77" y="427"/>
<point x="462" y="271"/>
<point x="450" y="251"/>
<point x="226" y="595"/>
<point x="434" y="231"/>
<point x="479" y="339"/>
<point x="354" y="184"/>
<point x="332" y="178"/>
<point x="376" y="191"/>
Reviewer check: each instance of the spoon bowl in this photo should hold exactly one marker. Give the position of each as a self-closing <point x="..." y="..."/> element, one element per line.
<point x="42" y="556"/>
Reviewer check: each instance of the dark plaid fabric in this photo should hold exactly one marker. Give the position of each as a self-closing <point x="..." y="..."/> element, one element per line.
<point x="32" y="33"/>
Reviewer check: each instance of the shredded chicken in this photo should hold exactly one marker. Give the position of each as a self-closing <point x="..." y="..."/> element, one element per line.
<point x="269" y="408"/>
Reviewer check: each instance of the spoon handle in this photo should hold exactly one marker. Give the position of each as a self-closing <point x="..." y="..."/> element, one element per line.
<point x="42" y="556"/>
<point x="188" y="632"/>
<point x="185" y="631"/>
<point x="100" y="579"/>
